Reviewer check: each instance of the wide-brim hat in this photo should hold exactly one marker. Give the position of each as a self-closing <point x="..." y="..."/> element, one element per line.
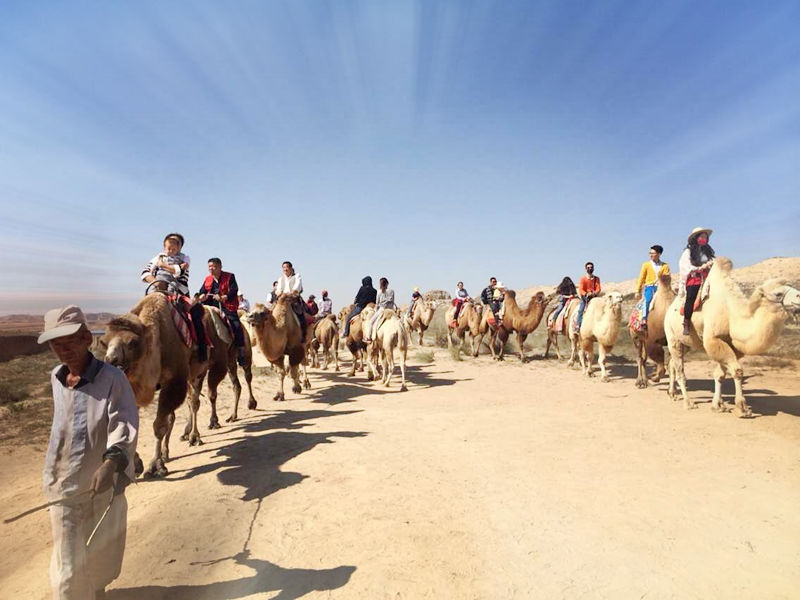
<point x="500" y="285"/>
<point x="61" y="322"/>
<point x="697" y="231"/>
<point x="416" y="289"/>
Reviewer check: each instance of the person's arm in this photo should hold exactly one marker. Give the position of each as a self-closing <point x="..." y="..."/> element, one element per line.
<point x="642" y="277"/>
<point x="298" y="284"/>
<point x="149" y="272"/>
<point x="599" y="288"/>
<point x="122" y="435"/>
<point x="390" y="299"/>
<point x="233" y="288"/>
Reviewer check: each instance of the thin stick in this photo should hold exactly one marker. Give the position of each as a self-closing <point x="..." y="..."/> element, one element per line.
<point x="103" y="516"/>
<point x="30" y="511"/>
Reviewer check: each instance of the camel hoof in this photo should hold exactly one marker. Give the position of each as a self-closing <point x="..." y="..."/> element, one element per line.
<point x="605" y="379"/>
<point x="185" y="437"/>
<point x="232" y="419"/>
<point x="214" y="424"/>
<point x="403" y="388"/>
<point x="743" y="414"/>
<point x="370" y="377"/>
<point x="297" y="389"/>
<point x="641" y="384"/>
<point x="138" y="465"/>
<point x="691" y="406"/>
<point x="195" y="441"/>
<point x="721" y="408"/>
<point x="157" y="470"/>
<point x="278" y="397"/>
<point x="307" y="385"/>
<point x="252" y="404"/>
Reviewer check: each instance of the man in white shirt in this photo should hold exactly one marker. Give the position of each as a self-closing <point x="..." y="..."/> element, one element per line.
<point x="89" y="461"/>
<point x="289" y="282"/>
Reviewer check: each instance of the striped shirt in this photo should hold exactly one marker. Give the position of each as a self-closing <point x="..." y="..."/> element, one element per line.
<point x="172" y="275"/>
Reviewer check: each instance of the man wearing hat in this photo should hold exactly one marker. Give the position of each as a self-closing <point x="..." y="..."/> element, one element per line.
<point x="325" y="306"/>
<point x="414" y="296"/>
<point x="694" y="264"/>
<point x="244" y="303"/>
<point x="311" y="306"/>
<point x="89" y="460"/>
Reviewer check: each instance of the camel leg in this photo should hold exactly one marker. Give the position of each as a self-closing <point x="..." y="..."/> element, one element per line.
<point x="641" y="359"/>
<point x="677" y="363"/>
<point x="403" y="358"/>
<point x="727" y="362"/>
<point x="602" y="352"/>
<point x="194" y="406"/>
<point x="477" y="341"/>
<point x="520" y="342"/>
<point x="306" y="382"/>
<point x="740" y="409"/>
<point x="587" y="357"/>
<point x="167" y="435"/>
<point x="215" y="376"/>
<point x="336" y="358"/>
<point x="294" y="373"/>
<point x="248" y="378"/>
<point x="547" y="345"/>
<point x="281" y="366"/>
<point x="421" y="332"/>
<point x="233" y="375"/>
<point x="656" y="353"/>
<point x="157" y="467"/>
<point x="386" y="363"/>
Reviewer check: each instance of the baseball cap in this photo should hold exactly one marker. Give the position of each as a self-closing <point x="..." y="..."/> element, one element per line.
<point x="61" y="322"/>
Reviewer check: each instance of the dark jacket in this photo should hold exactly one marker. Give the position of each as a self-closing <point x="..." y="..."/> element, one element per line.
<point x="366" y="293"/>
<point x="486" y="294"/>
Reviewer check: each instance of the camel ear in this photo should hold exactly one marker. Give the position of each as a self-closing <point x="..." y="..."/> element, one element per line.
<point x="127" y="323"/>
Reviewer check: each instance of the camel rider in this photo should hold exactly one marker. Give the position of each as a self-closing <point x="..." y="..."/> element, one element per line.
<point x="566" y="290"/>
<point x="220" y="289"/>
<point x="588" y="288"/>
<point x="311" y="307"/>
<point x="384" y="301"/>
<point x="646" y="284"/>
<point x="461" y="296"/>
<point x="289" y="282"/>
<point x="272" y="297"/>
<point x="244" y="303"/>
<point x="168" y="272"/>
<point x="325" y="306"/>
<point x="487" y="297"/>
<point x="366" y="295"/>
<point x="694" y="264"/>
<point x="415" y="295"/>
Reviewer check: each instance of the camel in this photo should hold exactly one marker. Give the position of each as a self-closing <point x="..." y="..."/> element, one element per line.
<point x="484" y="328"/>
<point x="392" y="334"/>
<point x="553" y="331"/>
<point x="728" y="326"/>
<point x="371" y="350"/>
<point x="421" y="317"/>
<point x="223" y="361"/>
<point x="146" y="345"/>
<point x="650" y="343"/>
<point x="355" y="341"/>
<point x="327" y="338"/>
<point x="601" y="323"/>
<point x="469" y="320"/>
<point x="521" y="321"/>
<point x="279" y="335"/>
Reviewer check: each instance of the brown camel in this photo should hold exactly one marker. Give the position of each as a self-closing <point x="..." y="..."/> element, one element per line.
<point x="421" y="317"/>
<point x="146" y="345"/>
<point x="553" y="330"/>
<point x="327" y="338"/>
<point x="650" y="342"/>
<point x="727" y="326"/>
<point x="485" y="328"/>
<point x="355" y="341"/>
<point x="521" y="321"/>
<point x="469" y="321"/>
<point x="279" y="335"/>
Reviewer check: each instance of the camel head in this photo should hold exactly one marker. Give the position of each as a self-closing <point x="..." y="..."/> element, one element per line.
<point x="124" y="342"/>
<point x="614" y="299"/>
<point x="259" y="315"/>
<point x="779" y="292"/>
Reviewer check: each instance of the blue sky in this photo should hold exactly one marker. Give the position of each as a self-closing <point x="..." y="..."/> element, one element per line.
<point x="429" y="142"/>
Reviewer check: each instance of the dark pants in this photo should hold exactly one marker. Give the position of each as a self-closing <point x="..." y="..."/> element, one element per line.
<point x="197" y="313"/>
<point x="236" y="325"/>
<point x="691" y="296"/>
<point x="353" y="313"/>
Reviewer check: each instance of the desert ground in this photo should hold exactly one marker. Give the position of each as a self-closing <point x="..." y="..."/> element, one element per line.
<point x="484" y="480"/>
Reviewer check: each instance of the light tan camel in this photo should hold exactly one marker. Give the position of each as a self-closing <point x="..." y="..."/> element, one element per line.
<point x="469" y="321"/>
<point x="601" y="324"/>
<point x="553" y="331"/>
<point x="727" y="326"/>
<point x="146" y="345"/>
<point x="371" y="348"/>
<point x="327" y="338"/>
<point x="485" y="328"/>
<point x="421" y="317"/>
<point x="650" y="343"/>
<point x="278" y="335"/>
<point x="522" y="321"/>
<point x="392" y="334"/>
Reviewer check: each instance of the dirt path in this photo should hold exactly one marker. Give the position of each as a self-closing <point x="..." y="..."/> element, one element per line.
<point x="483" y="481"/>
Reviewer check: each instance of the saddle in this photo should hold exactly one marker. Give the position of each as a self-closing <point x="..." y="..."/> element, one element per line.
<point x="222" y="324"/>
<point x="179" y="311"/>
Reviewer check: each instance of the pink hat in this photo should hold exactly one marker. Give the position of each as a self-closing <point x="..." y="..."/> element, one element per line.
<point x="61" y="322"/>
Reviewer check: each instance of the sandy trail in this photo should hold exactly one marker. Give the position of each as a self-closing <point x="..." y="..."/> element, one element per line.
<point x="484" y="480"/>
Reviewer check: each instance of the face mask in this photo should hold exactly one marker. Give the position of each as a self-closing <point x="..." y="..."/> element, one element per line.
<point x="702" y="242"/>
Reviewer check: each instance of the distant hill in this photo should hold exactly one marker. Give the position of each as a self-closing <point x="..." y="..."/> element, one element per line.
<point x="34" y="323"/>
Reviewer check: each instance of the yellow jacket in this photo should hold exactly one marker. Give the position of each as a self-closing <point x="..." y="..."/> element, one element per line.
<point x="648" y="275"/>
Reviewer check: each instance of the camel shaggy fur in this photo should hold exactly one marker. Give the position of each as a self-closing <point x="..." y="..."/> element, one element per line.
<point x="279" y="335"/>
<point x="650" y="343"/>
<point x="728" y="326"/>
<point x="327" y="338"/>
<point x="485" y="328"/>
<point x="601" y="324"/>
<point x="146" y="345"/>
<point x="521" y="321"/>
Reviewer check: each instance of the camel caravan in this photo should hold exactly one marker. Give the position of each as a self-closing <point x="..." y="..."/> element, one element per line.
<point x="169" y="345"/>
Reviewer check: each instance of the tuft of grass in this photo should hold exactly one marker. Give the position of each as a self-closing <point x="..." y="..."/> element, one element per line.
<point x="424" y="356"/>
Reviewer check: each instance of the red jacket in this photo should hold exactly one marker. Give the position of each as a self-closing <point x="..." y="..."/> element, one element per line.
<point x="228" y="296"/>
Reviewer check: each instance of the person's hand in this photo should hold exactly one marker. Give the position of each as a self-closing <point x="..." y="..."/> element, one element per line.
<point x="201" y="297"/>
<point x="104" y="476"/>
<point x="215" y="298"/>
<point x="183" y="266"/>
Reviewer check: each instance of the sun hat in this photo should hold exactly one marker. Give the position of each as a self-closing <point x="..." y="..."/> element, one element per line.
<point x="61" y="322"/>
<point x="416" y="289"/>
<point x="698" y="230"/>
<point x="500" y="285"/>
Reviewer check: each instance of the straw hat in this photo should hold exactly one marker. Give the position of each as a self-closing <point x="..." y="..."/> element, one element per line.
<point x="61" y="322"/>
<point x="698" y="230"/>
<point x="416" y="289"/>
